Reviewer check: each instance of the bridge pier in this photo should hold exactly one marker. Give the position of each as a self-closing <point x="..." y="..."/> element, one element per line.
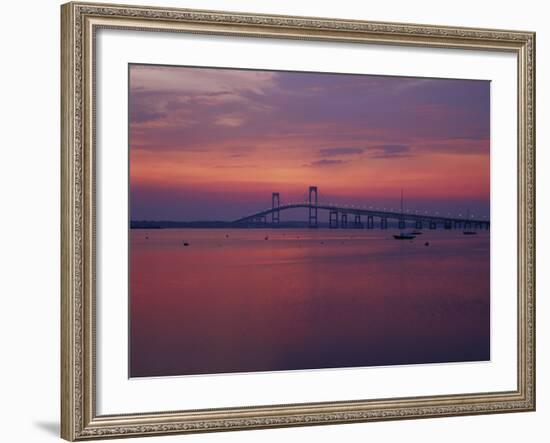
<point x="383" y="223"/>
<point x="401" y="224"/>
<point x="457" y="224"/>
<point x="433" y="225"/>
<point x="333" y="220"/>
<point x="418" y="224"/>
<point x="357" y="222"/>
<point x="370" y="222"/>
<point x="344" y="221"/>
<point x="275" y="203"/>
<point x="448" y="224"/>
<point x="313" y="210"/>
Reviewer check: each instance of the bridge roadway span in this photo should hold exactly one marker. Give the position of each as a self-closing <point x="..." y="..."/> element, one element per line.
<point x="432" y="220"/>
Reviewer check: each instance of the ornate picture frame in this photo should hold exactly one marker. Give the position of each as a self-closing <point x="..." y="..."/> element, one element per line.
<point x="80" y="22"/>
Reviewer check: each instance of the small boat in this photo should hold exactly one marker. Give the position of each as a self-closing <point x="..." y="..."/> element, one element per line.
<point x="416" y="232"/>
<point x="469" y="232"/>
<point x="404" y="236"/>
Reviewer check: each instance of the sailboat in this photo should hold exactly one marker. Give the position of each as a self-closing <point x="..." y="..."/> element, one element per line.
<point x="469" y="232"/>
<point x="403" y="235"/>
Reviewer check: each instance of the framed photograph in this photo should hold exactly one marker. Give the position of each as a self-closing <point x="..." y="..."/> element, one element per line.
<point x="282" y="221"/>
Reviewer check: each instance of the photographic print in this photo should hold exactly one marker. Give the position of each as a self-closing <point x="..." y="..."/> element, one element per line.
<point x="302" y="220"/>
<point x="274" y="221"/>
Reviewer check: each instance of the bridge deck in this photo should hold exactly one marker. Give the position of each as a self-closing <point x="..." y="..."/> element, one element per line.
<point x="392" y="215"/>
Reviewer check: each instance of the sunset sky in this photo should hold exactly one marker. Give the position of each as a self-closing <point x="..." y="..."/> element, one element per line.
<point x="213" y="144"/>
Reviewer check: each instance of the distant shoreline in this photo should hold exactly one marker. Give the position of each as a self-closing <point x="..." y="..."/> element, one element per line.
<point x="171" y="224"/>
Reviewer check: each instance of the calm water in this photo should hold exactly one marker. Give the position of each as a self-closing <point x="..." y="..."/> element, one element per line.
<point x="304" y="299"/>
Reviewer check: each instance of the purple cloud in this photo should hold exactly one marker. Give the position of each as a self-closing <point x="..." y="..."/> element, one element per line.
<point x="329" y="152"/>
<point x="325" y="162"/>
<point x="389" y="151"/>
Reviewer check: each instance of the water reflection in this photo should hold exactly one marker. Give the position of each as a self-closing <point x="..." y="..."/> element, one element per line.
<point x="255" y="300"/>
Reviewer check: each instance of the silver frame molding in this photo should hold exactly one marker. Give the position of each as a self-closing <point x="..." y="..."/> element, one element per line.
<point x="79" y="22"/>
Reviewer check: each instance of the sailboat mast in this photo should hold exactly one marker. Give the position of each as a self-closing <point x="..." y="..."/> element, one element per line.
<point x="401" y="200"/>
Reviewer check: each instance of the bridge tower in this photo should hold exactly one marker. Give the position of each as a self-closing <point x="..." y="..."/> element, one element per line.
<point x="313" y="209"/>
<point x="275" y="203"/>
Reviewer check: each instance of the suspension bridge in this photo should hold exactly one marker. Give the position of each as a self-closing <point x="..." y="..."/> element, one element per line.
<point x="356" y="217"/>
